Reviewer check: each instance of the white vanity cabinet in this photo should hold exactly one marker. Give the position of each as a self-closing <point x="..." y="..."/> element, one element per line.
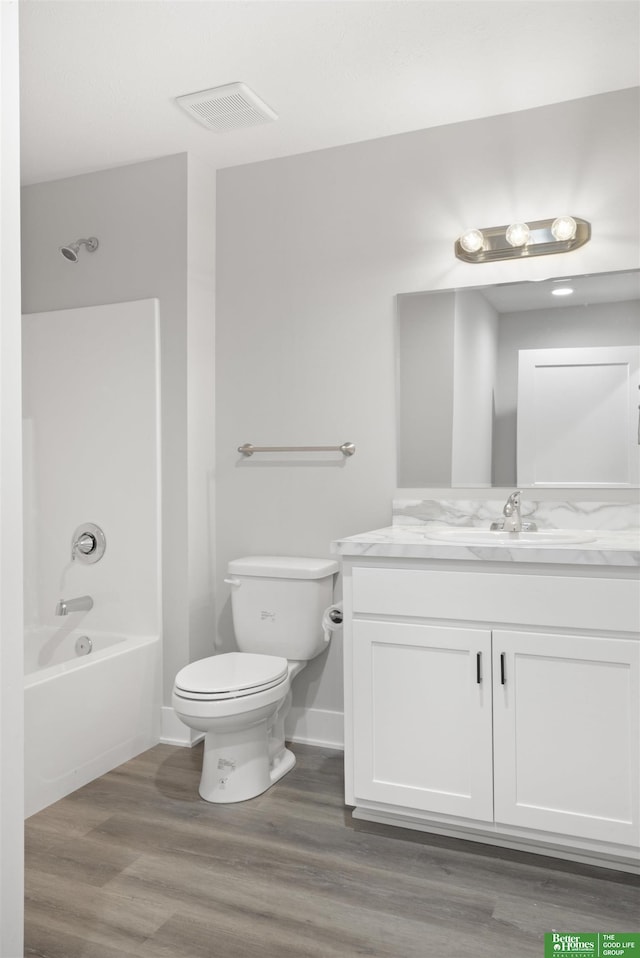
<point x="567" y="734"/>
<point x="496" y="702"/>
<point x="410" y="678"/>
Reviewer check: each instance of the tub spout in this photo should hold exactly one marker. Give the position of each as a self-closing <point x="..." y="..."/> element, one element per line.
<point x="81" y="604"/>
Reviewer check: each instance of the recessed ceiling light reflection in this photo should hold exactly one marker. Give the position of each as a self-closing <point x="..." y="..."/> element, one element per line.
<point x="562" y="291"/>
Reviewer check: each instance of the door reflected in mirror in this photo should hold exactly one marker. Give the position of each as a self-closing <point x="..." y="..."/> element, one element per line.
<point x="459" y="421"/>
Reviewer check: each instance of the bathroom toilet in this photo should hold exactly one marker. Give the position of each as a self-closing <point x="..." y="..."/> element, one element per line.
<point x="240" y="699"/>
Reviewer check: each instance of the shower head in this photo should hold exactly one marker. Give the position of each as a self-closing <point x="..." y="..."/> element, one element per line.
<point x="70" y="252"/>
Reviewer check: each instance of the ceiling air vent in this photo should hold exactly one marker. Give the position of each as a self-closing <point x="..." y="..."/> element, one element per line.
<point x="229" y="107"/>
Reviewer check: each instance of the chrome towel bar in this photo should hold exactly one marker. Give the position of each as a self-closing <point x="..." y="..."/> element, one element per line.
<point x="347" y="449"/>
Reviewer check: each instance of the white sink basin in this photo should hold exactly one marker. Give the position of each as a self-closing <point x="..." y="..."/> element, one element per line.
<point x="485" y="537"/>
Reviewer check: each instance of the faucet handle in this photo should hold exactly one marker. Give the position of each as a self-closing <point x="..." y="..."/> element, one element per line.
<point x="88" y="543"/>
<point x="85" y="544"/>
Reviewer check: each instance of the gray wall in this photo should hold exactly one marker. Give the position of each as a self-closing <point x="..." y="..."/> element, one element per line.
<point x="474" y="380"/>
<point x="312" y="251"/>
<point x="426" y="356"/>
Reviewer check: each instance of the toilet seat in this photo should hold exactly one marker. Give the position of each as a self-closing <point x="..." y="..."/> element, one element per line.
<point x="229" y="676"/>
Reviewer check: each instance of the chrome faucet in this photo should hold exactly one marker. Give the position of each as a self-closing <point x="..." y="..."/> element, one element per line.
<point x="82" y="603"/>
<point x="513" y="521"/>
<point x="511" y="512"/>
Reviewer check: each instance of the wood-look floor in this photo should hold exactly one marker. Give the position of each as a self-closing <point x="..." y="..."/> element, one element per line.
<point x="136" y="864"/>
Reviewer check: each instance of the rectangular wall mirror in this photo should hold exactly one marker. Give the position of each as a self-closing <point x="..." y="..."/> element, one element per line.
<point x="520" y="384"/>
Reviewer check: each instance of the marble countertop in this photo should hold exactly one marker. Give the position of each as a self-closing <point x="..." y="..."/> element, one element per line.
<point x="411" y="541"/>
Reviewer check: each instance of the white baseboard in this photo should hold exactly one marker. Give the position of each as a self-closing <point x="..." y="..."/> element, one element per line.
<point x="175" y="732"/>
<point x="315" y="727"/>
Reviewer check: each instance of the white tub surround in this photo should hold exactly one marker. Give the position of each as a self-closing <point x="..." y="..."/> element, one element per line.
<point x="91" y="459"/>
<point x="493" y="692"/>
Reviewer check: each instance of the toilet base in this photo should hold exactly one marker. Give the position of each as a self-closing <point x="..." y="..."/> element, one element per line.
<point x="283" y="764"/>
<point x="237" y="766"/>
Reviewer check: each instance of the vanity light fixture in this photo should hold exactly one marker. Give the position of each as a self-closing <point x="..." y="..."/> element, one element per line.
<point x="537" y="238"/>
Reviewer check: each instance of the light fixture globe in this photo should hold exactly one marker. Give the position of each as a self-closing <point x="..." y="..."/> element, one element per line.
<point x="564" y="228"/>
<point x="472" y="241"/>
<point x="518" y="234"/>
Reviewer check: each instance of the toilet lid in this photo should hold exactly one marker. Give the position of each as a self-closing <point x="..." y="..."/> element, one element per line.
<point x="231" y="675"/>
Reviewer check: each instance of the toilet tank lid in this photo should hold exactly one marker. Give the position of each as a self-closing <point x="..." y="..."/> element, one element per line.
<point x="283" y="567"/>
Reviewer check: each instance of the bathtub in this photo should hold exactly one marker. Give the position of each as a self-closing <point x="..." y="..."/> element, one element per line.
<point x="85" y="713"/>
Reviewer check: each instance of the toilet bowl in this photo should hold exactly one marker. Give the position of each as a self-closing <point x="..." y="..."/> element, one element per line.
<point x="240" y="699"/>
<point x="237" y="718"/>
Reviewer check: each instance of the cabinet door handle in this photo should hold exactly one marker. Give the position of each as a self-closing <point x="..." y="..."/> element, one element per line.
<point x="479" y="668"/>
<point x="503" y="674"/>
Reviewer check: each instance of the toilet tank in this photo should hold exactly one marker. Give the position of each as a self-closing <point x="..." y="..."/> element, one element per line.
<point x="277" y="604"/>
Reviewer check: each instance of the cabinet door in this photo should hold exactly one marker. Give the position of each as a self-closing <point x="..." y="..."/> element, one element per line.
<point x="567" y="734"/>
<point x="422" y="717"/>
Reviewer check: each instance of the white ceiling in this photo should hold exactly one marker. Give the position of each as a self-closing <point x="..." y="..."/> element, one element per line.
<point x="98" y="79"/>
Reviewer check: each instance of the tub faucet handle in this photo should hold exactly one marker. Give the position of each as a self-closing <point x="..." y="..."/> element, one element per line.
<point x="88" y="543"/>
<point x="85" y="544"/>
